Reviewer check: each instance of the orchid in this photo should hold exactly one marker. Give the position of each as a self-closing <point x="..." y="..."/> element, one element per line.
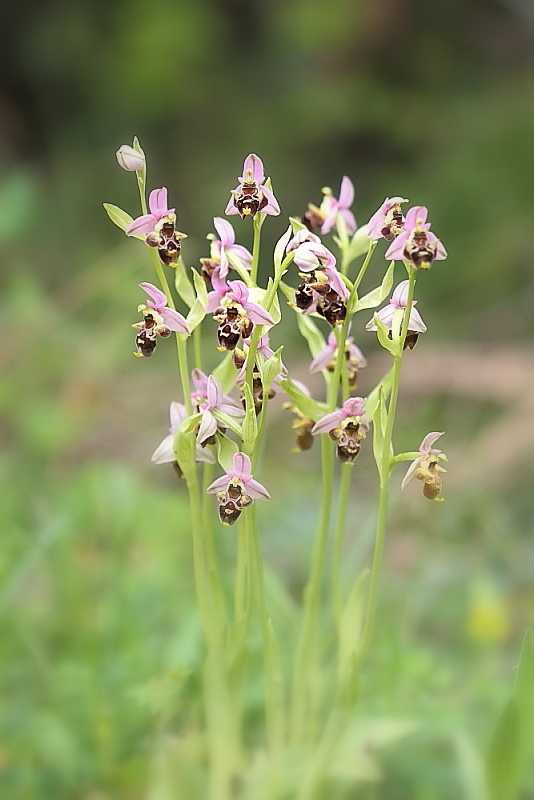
<point x="158" y="303"/>
<point x="225" y="244"/>
<point x="388" y="221"/>
<point x="262" y="350"/>
<point x="209" y="400"/>
<point x="157" y="203"/>
<point x="394" y="312"/>
<point x="237" y="489"/>
<point x="427" y="468"/>
<point x="326" y="358"/>
<point x="417" y="244"/>
<point x="236" y="314"/>
<point x="164" y="452"/>
<point x="251" y="195"/>
<point x="129" y="159"/>
<point x="301" y="236"/>
<point x="347" y="426"/>
<point x="311" y="256"/>
<point x="332" y="207"/>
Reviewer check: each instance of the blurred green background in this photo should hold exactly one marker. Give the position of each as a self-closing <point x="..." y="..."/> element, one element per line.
<point x="100" y="642"/>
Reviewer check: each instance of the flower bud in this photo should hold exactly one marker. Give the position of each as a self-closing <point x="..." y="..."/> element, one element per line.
<point x="130" y="159"/>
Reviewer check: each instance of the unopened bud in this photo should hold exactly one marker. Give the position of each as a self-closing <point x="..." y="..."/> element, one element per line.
<point x="130" y="159"/>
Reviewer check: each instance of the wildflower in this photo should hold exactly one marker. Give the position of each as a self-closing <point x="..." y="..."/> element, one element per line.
<point x="332" y="207"/>
<point x="236" y="489"/>
<point x="220" y="247"/>
<point x="130" y="159"/>
<point x="302" y="425"/>
<point x="388" y="221"/>
<point x="209" y="399"/>
<point x="322" y="289"/>
<point x="395" y="310"/>
<point x="158" y="320"/>
<point x="347" y="427"/>
<point x="236" y="314"/>
<point x="416" y="243"/>
<point x="164" y="452"/>
<point x="160" y="228"/>
<point x="427" y="468"/>
<point x="326" y="358"/>
<point x="300" y="237"/>
<point x="251" y="195"/>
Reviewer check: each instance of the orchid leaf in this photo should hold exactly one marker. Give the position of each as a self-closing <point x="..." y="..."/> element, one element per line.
<point x="377" y="296"/>
<point x="306" y="405"/>
<point x="226" y="449"/>
<point x="183" y="284"/>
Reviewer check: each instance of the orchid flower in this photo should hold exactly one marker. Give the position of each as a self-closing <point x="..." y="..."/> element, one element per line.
<point x="236" y="489"/>
<point x="341" y="206"/>
<point x="226" y="243"/>
<point x="157" y="203"/>
<point x="264" y="351"/>
<point x="251" y="195"/>
<point x="388" y="221"/>
<point x="130" y="159"/>
<point x="158" y="303"/>
<point x="211" y="400"/>
<point x="347" y="427"/>
<point x="327" y="355"/>
<point x="164" y="452"/>
<point x="395" y="310"/>
<point x="417" y="244"/>
<point x="233" y="293"/>
<point x="427" y="468"/>
<point x="311" y="256"/>
<point x="303" y="235"/>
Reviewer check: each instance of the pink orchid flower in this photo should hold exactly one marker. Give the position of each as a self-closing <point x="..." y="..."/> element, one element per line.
<point x="388" y="221"/>
<point x="265" y="352"/>
<point x="232" y="293"/>
<point x="302" y="236"/>
<point x="417" y="244"/>
<point x="340" y="206"/>
<point x="237" y="489"/>
<point x="311" y="256"/>
<point x="158" y="302"/>
<point x="157" y="203"/>
<point x="327" y="354"/>
<point x="251" y="195"/>
<point x="213" y="400"/>
<point x="226" y="243"/>
<point x="426" y="467"/>
<point x="353" y="407"/>
<point x="164" y="452"/>
<point x="397" y="304"/>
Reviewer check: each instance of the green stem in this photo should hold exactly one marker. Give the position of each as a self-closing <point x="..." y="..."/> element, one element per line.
<point x="199" y="555"/>
<point x="219" y="604"/>
<point x="344" y="491"/>
<point x="197" y="347"/>
<point x="312" y="592"/>
<point x="384" y="468"/>
<point x="256" y="241"/>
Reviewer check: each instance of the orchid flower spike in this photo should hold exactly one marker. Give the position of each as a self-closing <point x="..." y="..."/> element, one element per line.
<point x="160" y="228"/>
<point x="393" y="313"/>
<point x="236" y="313"/>
<point x="226" y="244"/>
<point x="332" y="208"/>
<point x="251" y="195"/>
<point x="236" y="489"/>
<point x="416" y="243"/>
<point x="427" y="468"/>
<point x="158" y="320"/>
<point x="164" y="452"/>
<point x="322" y="290"/>
<point x="347" y="427"/>
<point x="209" y="400"/>
<point x="388" y="221"/>
<point x="327" y="357"/>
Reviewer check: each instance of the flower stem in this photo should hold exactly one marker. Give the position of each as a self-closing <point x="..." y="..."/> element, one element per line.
<point x="256" y="240"/>
<point x="344" y="490"/>
<point x="219" y="604"/>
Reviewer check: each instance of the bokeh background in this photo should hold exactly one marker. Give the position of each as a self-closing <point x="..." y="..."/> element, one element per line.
<point x="100" y="642"/>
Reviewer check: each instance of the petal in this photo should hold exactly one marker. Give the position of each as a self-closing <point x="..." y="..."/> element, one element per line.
<point x="350" y="220"/>
<point x="254" y="164"/>
<point x="230" y="206"/>
<point x="415" y="323"/>
<point x="400" y="295"/>
<point x="356" y="354"/>
<point x="385" y="315"/>
<point x="157" y="202"/>
<point x="257" y="314"/>
<point x="353" y="407"/>
<point x="207" y="427"/>
<point x="321" y="360"/>
<point x="177" y="415"/>
<point x="272" y="206"/>
<point x="428" y="441"/>
<point x="164" y="453"/>
<point x="395" y="251"/>
<point x="204" y="454"/>
<point x="416" y="216"/>
<point x="255" y="490"/>
<point x="239" y="292"/>
<point x="327" y="423"/>
<point x="218" y="485"/>
<point x="241" y="466"/>
<point x="214" y="393"/>
<point x="225" y="231"/>
<point x="330" y="220"/>
<point x="242" y="253"/>
<point x="155" y="294"/>
<point x="200" y="382"/>
<point x="410" y="472"/>
<point x="144" y="224"/>
<point x="346" y="193"/>
<point x="175" y="321"/>
<point x="335" y="281"/>
<point x="218" y="282"/>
